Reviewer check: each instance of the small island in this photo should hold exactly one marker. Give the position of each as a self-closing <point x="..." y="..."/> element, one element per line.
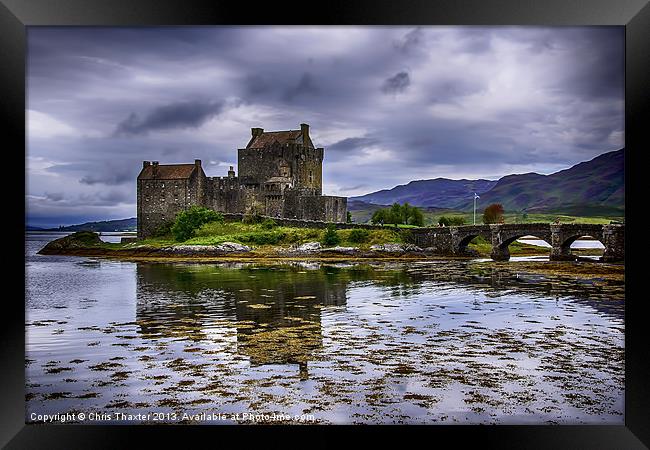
<point x="263" y="238"/>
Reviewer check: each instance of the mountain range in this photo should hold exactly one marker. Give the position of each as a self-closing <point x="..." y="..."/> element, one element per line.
<point x="594" y="187"/>
<point x="104" y="225"/>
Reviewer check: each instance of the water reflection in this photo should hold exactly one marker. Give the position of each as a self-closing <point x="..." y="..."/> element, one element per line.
<point x="276" y="310"/>
<point x="419" y="342"/>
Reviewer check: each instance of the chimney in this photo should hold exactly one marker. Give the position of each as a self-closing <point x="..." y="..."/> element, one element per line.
<point x="197" y="162"/>
<point x="145" y="164"/>
<point x="154" y="165"/>
<point x="231" y="172"/>
<point x="305" y="133"/>
<point x="257" y="131"/>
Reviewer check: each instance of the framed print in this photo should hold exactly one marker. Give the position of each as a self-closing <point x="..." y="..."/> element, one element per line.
<point x="353" y="218"/>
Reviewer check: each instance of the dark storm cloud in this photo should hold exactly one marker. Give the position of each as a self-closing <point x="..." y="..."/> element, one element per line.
<point x="54" y="196"/>
<point x="348" y="144"/>
<point x="602" y="71"/>
<point x="110" y="178"/>
<point x="448" y="90"/>
<point x="411" y="41"/>
<point x="475" y="40"/>
<point x="92" y="173"/>
<point x="176" y="115"/>
<point x="306" y="86"/>
<point x="256" y="84"/>
<point x="389" y="104"/>
<point x="397" y="83"/>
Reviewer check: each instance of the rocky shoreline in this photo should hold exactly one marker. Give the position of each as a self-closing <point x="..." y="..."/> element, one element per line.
<point x="89" y="244"/>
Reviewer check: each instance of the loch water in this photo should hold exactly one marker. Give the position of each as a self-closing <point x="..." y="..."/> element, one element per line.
<point x="428" y="342"/>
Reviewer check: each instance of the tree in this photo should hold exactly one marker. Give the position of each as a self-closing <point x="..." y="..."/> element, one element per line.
<point x="414" y="216"/>
<point x="399" y="214"/>
<point x="188" y="221"/>
<point x="493" y="214"/>
<point x="396" y="214"/>
<point x="331" y="237"/>
<point x="379" y="217"/>
<point x="451" y="221"/>
<point x="348" y="217"/>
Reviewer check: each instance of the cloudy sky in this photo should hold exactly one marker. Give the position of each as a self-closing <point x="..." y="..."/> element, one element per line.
<point x="389" y="104"/>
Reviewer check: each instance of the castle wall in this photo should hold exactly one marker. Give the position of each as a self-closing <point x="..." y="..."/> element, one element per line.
<point x="336" y="208"/>
<point x="297" y="205"/>
<point x="160" y="200"/>
<point x="309" y="169"/>
<point x="274" y="205"/>
<point x="305" y="166"/>
<point x="224" y="194"/>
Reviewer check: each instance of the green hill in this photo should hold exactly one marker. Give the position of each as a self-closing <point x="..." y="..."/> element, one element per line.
<point x="105" y="225"/>
<point x="594" y="187"/>
<point x="591" y="188"/>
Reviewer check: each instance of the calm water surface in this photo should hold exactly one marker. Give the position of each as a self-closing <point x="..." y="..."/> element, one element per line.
<point x="428" y="342"/>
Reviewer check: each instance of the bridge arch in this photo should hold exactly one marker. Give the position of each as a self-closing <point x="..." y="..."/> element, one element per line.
<point x="565" y="235"/>
<point x="501" y="251"/>
<point x="466" y="240"/>
<point x="463" y="235"/>
<point x="564" y="251"/>
<point x="505" y="234"/>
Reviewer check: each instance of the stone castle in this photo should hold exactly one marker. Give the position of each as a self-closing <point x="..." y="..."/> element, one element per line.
<point x="280" y="175"/>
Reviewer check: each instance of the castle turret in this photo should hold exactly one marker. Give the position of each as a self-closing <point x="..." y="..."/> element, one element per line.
<point x="231" y="172"/>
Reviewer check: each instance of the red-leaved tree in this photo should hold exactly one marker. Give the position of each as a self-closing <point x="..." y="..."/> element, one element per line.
<point x="493" y="213"/>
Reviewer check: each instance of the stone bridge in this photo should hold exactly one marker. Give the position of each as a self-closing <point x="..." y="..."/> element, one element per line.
<point x="454" y="240"/>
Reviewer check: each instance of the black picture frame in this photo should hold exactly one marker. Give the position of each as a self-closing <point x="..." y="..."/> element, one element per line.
<point x="16" y="15"/>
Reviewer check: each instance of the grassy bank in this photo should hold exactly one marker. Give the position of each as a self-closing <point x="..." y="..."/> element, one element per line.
<point x="431" y="218"/>
<point x="263" y="238"/>
<point x="258" y="235"/>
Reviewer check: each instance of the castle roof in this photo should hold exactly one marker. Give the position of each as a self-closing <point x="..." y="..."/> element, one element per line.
<point x="269" y="137"/>
<point x="167" y="172"/>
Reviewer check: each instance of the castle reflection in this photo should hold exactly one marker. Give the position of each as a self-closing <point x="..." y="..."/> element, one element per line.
<point x="277" y="309"/>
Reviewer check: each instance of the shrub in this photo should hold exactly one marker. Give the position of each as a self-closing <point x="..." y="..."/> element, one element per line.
<point x="164" y="229"/>
<point x="188" y="221"/>
<point x="451" y="221"/>
<point x="331" y="237"/>
<point x="269" y="224"/>
<point x="348" y="217"/>
<point x="251" y="218"/>
<point x="358" y="235"/>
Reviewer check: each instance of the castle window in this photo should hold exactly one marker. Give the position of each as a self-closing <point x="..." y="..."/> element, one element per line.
<point x="311" y="176"/>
